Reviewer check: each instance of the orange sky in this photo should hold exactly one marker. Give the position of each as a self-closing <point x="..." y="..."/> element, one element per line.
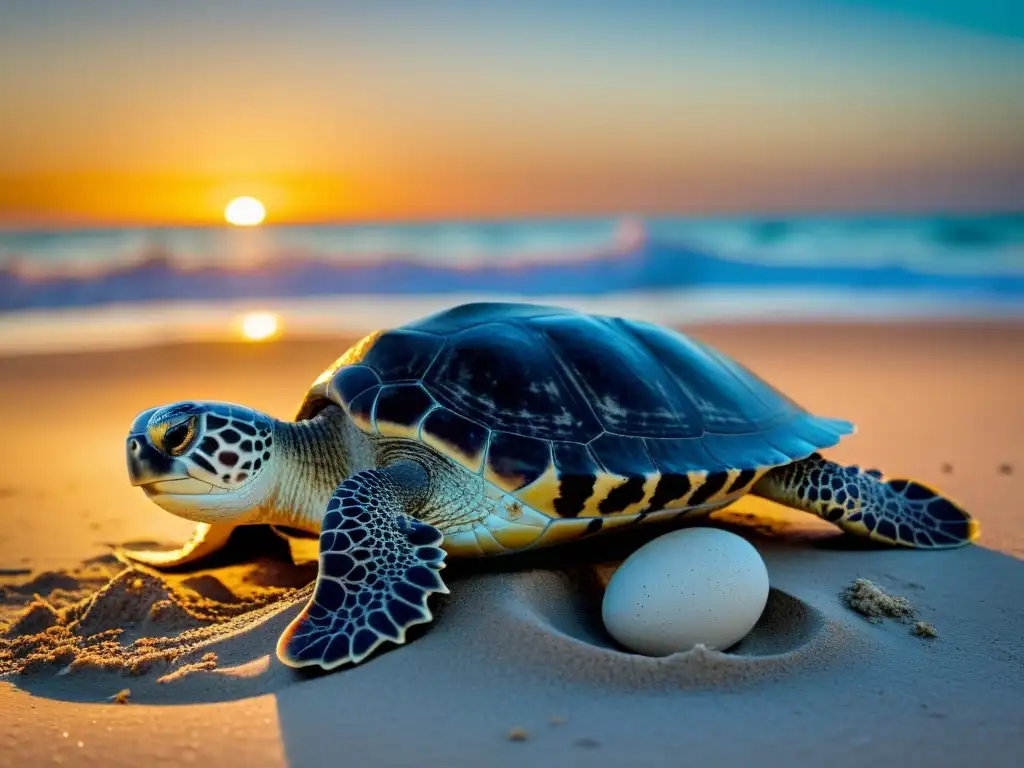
<point x="119" y="114"/>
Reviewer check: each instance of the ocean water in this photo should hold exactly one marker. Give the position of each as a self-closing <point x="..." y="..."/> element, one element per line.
<point x="110" y="287"/>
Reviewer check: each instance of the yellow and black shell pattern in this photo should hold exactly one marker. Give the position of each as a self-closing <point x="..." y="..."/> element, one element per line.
<point x="576" y="415"/>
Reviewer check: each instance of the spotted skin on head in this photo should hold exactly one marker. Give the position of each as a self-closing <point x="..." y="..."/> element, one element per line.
<point x="199" y="460"/>
<point x="231" y="444"/>
<point x="236" y="444"/>
<point x="861" y="502"/>
<point x="378" y="566"/>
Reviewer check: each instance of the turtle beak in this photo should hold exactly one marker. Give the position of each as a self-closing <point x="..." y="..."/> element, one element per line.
<point x="147" y="465"/>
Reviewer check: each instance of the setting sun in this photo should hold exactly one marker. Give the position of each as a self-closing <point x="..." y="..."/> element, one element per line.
<point x="259" y="326"/>
<point x="245" y="212"/>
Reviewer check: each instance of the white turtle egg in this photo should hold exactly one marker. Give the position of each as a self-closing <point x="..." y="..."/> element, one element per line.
<point x="687" y="587"/>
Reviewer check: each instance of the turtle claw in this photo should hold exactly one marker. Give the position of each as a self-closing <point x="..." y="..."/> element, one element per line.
<point x="377" y="571"/>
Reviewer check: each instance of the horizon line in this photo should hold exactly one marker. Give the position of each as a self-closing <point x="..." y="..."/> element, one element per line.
<point x="39" y="226"/>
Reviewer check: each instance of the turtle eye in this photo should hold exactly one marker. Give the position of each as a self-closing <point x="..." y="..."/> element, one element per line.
<point x="178" y="436"/>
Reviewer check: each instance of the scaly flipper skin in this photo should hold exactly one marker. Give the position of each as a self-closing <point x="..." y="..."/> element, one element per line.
<point x="206" y="539"/>
<point x="861" y="502"/>
<point x="378" y="566"/>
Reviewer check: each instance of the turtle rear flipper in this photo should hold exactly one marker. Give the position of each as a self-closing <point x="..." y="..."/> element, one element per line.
<point x="378" y="566"/>
<point x="899" y="511"/>
<point x="207" y="538"/>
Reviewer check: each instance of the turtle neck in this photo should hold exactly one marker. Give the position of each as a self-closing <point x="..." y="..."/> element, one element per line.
<point x="314" y="456"/>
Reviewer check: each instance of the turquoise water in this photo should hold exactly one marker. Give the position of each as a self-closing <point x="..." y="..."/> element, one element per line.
<point x="348" y="277"/>
<point x="981" y="255"/>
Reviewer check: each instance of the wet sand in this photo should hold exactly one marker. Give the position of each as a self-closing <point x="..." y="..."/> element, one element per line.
<point x="522" y="646"/>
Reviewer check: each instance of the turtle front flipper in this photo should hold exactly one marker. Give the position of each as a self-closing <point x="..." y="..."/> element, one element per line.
<point x="207" y="538"/>
<point x="378" y="566"/>
<point x="861" y="502"/>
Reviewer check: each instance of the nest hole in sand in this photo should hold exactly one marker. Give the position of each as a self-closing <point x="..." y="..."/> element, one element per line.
<point x="786" y="624"/>
<point x="546" y="616"/>
<point x="548" y="623"/>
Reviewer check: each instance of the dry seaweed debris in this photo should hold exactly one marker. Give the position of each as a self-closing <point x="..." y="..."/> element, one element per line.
<point x="122" y="696"/>
<point x="875" y="604"/>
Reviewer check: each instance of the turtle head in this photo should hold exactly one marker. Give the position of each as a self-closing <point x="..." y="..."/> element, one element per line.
<point x="204" y="461"/>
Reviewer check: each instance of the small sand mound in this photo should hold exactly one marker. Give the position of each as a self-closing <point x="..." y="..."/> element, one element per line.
<point x="875" y="604"/>
<point x="136" y="622"/>
<point x="870" y="601"/>
<point x="38" y="616"/>
<point x="924" y="629"/>
<point x="131" y="619"/>
<point x="132" y="597"/>
<point x="57" y="589"/>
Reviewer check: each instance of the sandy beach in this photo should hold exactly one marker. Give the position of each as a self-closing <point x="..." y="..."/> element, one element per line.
<point x="518" y="645"/>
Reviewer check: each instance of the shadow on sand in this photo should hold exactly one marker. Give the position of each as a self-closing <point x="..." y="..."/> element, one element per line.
<point x="207" y="633"/>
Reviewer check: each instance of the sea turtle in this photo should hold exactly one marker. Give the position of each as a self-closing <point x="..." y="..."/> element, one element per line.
<point x="491" y="428"/>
